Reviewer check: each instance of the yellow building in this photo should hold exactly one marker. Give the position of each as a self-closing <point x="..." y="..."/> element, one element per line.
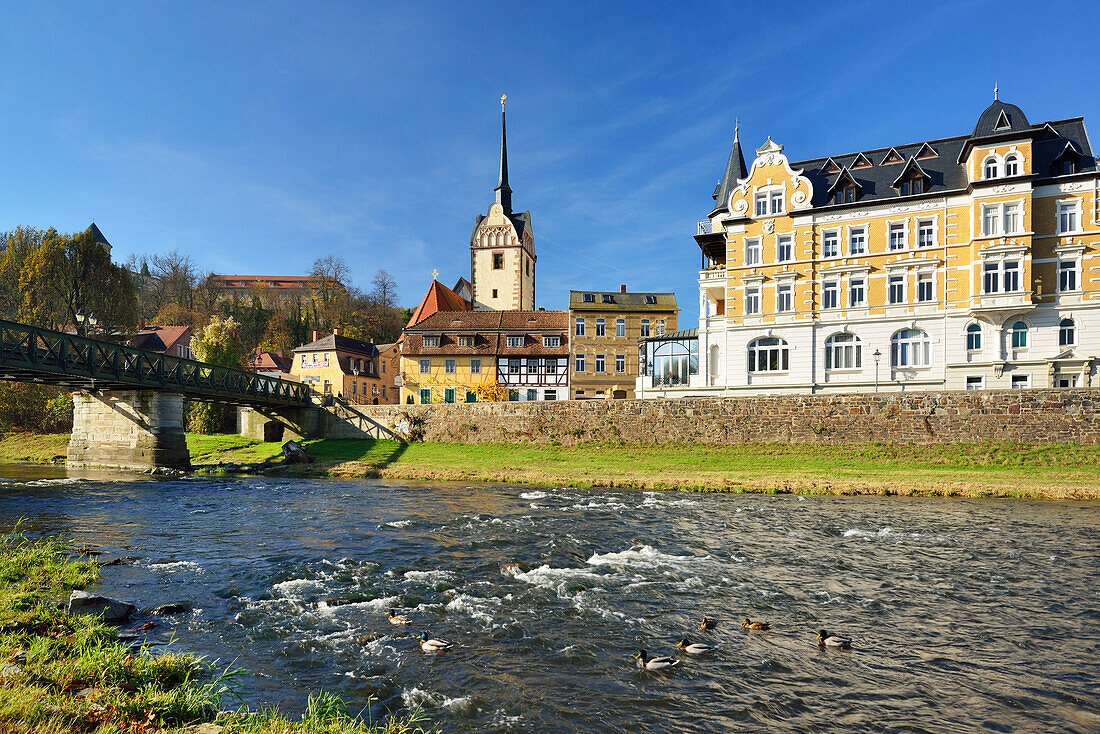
<point x="340" y="366"/>
<point x="958" y="263"/>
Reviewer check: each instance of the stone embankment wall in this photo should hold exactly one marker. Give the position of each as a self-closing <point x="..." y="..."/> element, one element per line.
<point x="1032" y="416"/>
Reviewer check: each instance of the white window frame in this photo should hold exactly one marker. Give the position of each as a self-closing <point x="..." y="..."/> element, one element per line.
<point x="578" y="327"/>
<point x="776" y="202"/>
<point x="860" y="232"/>
<point x="601" y="327"/>
<point x="979" y="334"/>
<point x="998" y="275"/>
<point x="897" y="236"/>
<point x="894" y="279"/>
<point x="830" y="243"/>
<point x="915" y="348"/>
<point x="425" y="366"/>
<point x="784" y="241"/>
<point x="830" y="287"/>
<point x="1073" y="272"/>
<point x="979" y="385"/>
<point x="1012" y="331"/>
<point x="431" y="341"/>
<point x="620" y="364"/>
<point x="754" y="251"/>
<point x="784" y="292"/>
<point x="620" y="328"/>
<point x="600" y="364"/>
<point x="1015" y="383"/>
<point x="475" y="366"/>
<point x="645" y="328"/>
<point x="1015" y="159"/>
<point x="578" y="362"/>
<point x="450" y="366"/>
<point x="761" y="354"/>
<point x="1062" y="328"/>
<point x="928" y="225"/>
<point x="845" y="355"/>
<point x="514" y="341"/>
<point x="760" y="204"/>
<point x="752" y="300"/>
<point x="853" y="283"/>
<point x="990" y="220"/>
<point x="930" y="280"/>
<point x="994" y="159"/>
<point x="1068" y="208"/>
<point x="551" y="341"/>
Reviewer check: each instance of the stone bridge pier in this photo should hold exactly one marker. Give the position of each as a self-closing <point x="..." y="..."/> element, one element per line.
<point x="280" y="424"/>
<point x="128" y="429"/>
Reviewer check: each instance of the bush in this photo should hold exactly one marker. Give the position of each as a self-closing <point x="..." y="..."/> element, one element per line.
<point x="203" y="418"/>
<point x="34" y="408"/>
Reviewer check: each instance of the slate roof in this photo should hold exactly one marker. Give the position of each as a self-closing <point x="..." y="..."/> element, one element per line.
<point x="438" y="298"/>
<point x="624" y="301"/>
<point x="98" y="235"/>
<point x="735" y="169"/>
<point x="946" y="170"/>
<point x="339" y="343"/>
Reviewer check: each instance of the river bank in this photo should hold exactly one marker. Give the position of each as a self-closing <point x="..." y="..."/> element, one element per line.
<point x="62" y="672"/>
<point x="993" y="469"/>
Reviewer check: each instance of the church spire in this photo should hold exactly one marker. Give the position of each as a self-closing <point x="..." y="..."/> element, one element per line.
<point x="503" y="191"/>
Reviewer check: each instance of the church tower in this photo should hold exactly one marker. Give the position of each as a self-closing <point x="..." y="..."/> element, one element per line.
<point x="502" y="248"/>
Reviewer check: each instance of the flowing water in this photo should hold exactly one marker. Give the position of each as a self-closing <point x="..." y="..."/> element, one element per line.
<point x="966" y="615"/>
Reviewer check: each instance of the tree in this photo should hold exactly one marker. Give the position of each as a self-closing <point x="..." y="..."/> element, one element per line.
<point x="328" y="292"/>
<point x="385" y="289"/>
<point x="218" y="343"/>
<point x="491" y="391"/>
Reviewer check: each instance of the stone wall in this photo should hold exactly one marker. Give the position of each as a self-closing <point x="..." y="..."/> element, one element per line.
<point x="128" y="429"/>
<point x="1032" y="416"/>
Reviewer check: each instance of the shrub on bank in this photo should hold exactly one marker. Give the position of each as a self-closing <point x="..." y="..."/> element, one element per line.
<point x="34" y="408"/>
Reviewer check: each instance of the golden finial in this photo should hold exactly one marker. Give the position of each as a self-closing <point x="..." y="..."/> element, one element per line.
<point x="502" y="98"/>
<point x="435" y="274"/>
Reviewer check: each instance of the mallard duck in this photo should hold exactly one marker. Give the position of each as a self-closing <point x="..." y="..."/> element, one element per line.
<point x="431" y="644"/>
<point x="398" y="619"/>
<point x="707" y="624"/>
<point x="748" y="624"/>
<point x="824" y="639"/>
<point x="695" y="648"/>
<point x="659" y="663"/>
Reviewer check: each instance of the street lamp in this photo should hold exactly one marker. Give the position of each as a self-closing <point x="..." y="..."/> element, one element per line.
<point x="877" y="355"/>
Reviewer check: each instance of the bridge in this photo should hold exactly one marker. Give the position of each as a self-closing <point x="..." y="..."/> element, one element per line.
<point x="128" y="403"/>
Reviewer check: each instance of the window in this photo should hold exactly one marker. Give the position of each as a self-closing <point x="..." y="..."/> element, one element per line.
<point x="589" y="297"/>
<point x="769" y="354"/>
<point x="784" y="297"/>
<point x="1065" y="381"/>
<point x="660" y="327"/>
<point x="645" y="327"/>
<point x="600" y="327"/>
<point x="579" y="393"/>
<point x="1021" y="382"/>
<point x="532" y="394"/>
<point x="599" y="363"/>
<point x="990" y="168"/>
<point x="471" y="396"/>
<point x="448" y="395"/>
<point x="303" y="360"/>
<point x="1011" y="216"/>
<point x="973" y="338"/>
<point x="843" y="352"/>
<point x="1067" y="216"/>
<point x="991" y="277"/>
<point x="498" y="261"/>
<point x="829" y="293"/>
<point x="551" y="366"/>
<point x="775" y="202"/>
<point x="752" y="300"/>
<point x="465" y="341"/>
<point x="608" y="298"/>
<point x="975" y="382"/>
<point x="578" y="363"/>
<point x="475" y="366"/>
<point x="620" y="327"/>
<point x="579" y="327"/>
<point x="912" y="185"/>
<point x="494" y="293"/>
<point x="761" y="204"/>
<point x="897" y="236"/>
<point x="1067" y="275"/>
<point x="549" y="394"/>
<point x="620" y="363"/>
<point x="857" y="241"/>
<point x="830" y="244"/>
<point x="532" y="366"/>
<point x="857" y="292"/>
<point x="768" y="203"/>
<point x="449" y="366"/>
<point x="1019" y="335"/>
<point x="551" y="341"/>
<point x="1066" y="333"/>
<point x="1001" y="276"/>
<point x="991" y="219"/>
<point x="784" y="248"/>
<point x="754" y="252"/>
<point x="515" y="341"/>
<point x="910" y="348"/>
<point x="651" y="299"/>
<point x="425" y="395"/>
<point x="845" y="195"/>
<point x="431" y="341"/>
<point x="926" y="233"/>
<point x="1012" y="165"/>
<point x="924" y="287"/>
<point x="425" y="366"/>
<point x="1011" y="276"/>
<point x="515" y="366"/>
<point x="897" y="288"/>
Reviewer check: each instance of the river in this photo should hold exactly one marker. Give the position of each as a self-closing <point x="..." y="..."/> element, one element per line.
<point x="966" y="615"/>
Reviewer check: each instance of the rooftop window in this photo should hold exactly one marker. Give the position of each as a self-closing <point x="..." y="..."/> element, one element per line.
<point x="651" y="299"/>
<point x="607" y="298"/>
<point x="589" y="297"/>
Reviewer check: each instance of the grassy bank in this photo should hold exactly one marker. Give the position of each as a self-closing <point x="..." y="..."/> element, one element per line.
<point x="71" y="674"/>
<point x="994" y="469"/>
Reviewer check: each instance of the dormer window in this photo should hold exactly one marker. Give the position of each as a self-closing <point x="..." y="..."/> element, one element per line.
<point x="846" y="195"/>
<point x="431" y="341"/>
<point x="845" y="189"/>
<point x="1068" y="167"/>
<point x="607" y="298"/>
<point x="651" y="299"/>
<point x="861" y="161"/>
<point x="589" y="297"/>
<point x="912" y="185"/>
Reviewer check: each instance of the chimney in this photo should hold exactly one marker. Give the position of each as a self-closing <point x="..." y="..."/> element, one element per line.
<point x="622" y="288"/>
<point x="316" y="336"/>
<point x="336" y="331"/>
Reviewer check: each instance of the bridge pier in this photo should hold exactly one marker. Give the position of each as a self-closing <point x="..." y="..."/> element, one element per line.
<point x="279" y="425"/>
<point x="128" y="429"/>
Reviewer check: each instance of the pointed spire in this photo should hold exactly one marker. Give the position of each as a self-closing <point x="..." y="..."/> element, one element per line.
<point x="736" y="129"/>
<point x="503" y="191"/>
<point x="735" y="169"/>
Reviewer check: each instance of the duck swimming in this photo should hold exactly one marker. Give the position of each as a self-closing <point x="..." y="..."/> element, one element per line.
<point x="658" y="663"/>
<point x="696" y="648"/>
<point x="398" y="619"/>
<point x="824" y="639"/>
<point x="707" y="624"/>
<point x="748" y="624"/>
<point x="431" y="644"/>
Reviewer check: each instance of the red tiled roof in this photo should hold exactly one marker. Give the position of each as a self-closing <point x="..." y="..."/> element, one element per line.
<point x="438" y="298"/>
<point x="270" y="281"/>
<point x="260" y="361"/>
<point x="160" y="338"/>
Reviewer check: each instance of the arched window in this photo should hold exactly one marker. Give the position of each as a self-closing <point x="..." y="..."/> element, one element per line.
<point x="989" y="168"/>
<point x="1019" y="335"/>
<point x="1067" y="334"/>
<point x="973" y="338"/>
<point x="1012" y="165"/>
<point x="843" y="352"/>
<point x="910" y="348"/>
<point x="769" y="354"/>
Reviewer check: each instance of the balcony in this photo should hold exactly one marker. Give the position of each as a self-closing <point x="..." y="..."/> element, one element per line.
<point x="712" y="275"/>
<point x="703" y="227"/>
<point x="1001" y="303"/>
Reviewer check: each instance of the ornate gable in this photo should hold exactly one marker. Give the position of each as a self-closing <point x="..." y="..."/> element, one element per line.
<point x="771" y="169"/>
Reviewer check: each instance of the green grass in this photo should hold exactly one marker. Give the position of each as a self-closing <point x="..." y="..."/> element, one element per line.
<point x="38" y="448"/>
<point x="77" y="677"/>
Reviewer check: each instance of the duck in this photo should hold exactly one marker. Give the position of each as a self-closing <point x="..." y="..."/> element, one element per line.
<point x="431" y="644"/>
<point x="824" y="639"/>
<point x="696" y="648"/>
<point x="398" y="619"/>
<point x="659" y="663"/>
<point x="707" y="624"/>
<point x="748" y="624"/>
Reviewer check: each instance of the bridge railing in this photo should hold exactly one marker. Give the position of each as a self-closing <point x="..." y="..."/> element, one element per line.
<point x="30" y="352"/>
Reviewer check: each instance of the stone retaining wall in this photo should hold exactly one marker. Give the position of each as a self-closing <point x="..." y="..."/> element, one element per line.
<point x="1032" y="416"/>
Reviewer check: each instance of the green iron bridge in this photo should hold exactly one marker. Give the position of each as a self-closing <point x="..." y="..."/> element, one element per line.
<point x="31" y="354"/>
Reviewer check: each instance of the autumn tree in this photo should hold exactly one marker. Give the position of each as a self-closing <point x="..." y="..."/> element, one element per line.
<point x="218" y="343"/>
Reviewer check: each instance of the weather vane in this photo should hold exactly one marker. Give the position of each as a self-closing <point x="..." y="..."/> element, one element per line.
<point x="502" y="98"/>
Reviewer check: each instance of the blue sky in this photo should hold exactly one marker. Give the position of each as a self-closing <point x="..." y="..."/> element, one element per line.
<point x="259" y="136"/>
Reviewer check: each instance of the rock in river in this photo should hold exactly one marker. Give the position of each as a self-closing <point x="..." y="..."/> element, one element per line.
<point x="113" y="612"/>
<point x="175" y="608"/>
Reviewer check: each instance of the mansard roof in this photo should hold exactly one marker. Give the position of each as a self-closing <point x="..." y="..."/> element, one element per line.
<point x="1000" y="117"/>
<point x="622" y="301"/>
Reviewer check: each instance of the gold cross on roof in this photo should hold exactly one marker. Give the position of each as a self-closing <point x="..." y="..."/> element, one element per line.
<point x="502" y="98"/>
<point x="435" y="274"/>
